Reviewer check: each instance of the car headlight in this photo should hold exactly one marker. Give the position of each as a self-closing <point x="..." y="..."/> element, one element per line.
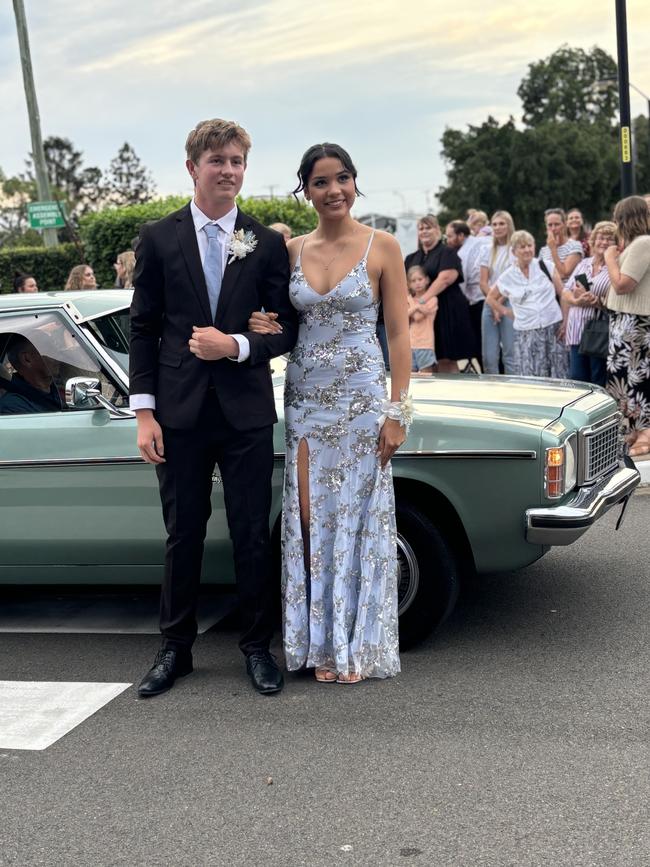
<point x="560" y="468"/>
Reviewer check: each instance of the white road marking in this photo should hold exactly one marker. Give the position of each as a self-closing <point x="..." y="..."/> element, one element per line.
<point x="33" y="715"/>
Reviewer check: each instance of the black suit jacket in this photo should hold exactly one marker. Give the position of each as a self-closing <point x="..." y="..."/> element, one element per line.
<point x="171" y="296"/>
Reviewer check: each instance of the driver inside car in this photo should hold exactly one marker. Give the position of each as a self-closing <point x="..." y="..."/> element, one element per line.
<point x="32" y="387"/>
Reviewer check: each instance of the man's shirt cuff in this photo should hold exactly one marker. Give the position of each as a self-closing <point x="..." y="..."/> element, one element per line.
<point x="244" y="348"/>
<point x="142" y="401"/>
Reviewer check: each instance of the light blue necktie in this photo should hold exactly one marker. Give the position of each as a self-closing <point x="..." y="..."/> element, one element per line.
<point x="212" y="266"/>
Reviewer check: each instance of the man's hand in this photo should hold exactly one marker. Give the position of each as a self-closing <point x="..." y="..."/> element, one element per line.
<point x="210" y="344"/>
<point x="150" y="438"/>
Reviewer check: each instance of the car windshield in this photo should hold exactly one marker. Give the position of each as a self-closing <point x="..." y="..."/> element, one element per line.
<point x="112" y="332"/>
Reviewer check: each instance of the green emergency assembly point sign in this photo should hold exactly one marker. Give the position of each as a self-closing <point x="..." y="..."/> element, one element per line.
<point x="45" y="215"/>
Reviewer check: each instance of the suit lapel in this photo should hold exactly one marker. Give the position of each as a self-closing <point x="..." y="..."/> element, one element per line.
<point x="190" y="249"/>
<point x="233" y="270"/>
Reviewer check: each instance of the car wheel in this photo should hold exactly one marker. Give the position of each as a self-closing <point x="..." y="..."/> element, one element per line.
<point x="428" y="575"/>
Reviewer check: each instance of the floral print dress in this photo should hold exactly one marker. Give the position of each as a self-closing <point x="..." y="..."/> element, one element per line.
<point x="628" y="366"/>
<point x="342" y="613"/>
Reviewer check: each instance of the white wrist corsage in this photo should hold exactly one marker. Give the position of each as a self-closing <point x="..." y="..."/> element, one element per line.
<point x="241" y="244"/>
<point x="401" y="410"/>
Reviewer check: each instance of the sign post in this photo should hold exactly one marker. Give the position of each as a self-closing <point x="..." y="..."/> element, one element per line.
<point x="38" y="155"/>
<point x="46" y="215"/>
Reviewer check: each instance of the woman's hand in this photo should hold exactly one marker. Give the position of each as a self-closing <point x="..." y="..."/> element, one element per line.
<point x="611" y="254"/>
<point x="551" y="243"/>
<point x="391" y="437"/>
<point x="264" y="323"/>
<point x="578" y="289"/>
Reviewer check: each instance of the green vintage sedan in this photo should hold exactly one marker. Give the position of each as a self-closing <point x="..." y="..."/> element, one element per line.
<point x="495" y="470"/>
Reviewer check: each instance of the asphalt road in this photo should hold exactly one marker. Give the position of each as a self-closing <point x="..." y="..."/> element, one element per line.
<point x="519" y="735"/>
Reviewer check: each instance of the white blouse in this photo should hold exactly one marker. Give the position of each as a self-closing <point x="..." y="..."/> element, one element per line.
<point x="533" y="299"/>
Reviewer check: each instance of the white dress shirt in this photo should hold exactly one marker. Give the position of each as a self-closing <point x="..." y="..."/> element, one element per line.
<point x="470" y="255"/>
<point x="227" y="226"/>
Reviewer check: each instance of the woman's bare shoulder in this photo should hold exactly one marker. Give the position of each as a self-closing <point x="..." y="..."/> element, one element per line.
<point x="294" y="246"/>
<point x="386" y="241"/>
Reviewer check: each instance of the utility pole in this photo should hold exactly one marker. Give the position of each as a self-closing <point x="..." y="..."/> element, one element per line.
<point x="42" y="181"/>
<point x="627" y="166"/>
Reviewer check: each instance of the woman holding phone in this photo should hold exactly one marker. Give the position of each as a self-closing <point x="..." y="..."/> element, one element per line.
<point x="586" y="294"/>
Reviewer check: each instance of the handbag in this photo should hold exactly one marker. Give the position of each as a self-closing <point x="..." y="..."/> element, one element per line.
<point x="595" y="337"/>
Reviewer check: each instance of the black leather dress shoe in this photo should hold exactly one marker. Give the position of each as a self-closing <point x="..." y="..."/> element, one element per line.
<point x="264" y="672"/>
<point x="167" y="666"/>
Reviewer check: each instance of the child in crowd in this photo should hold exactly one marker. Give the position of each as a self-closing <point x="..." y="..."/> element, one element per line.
<point x="421" y="316"/>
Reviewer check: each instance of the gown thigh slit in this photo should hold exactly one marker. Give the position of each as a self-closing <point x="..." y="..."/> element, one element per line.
<point x="302" y="481"/>
<point x="341" y="613"/>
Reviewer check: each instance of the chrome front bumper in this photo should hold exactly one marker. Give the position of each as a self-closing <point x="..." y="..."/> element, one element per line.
<point x="562" y="525"/>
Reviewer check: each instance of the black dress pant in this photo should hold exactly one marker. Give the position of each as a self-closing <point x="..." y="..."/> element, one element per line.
<point x="245" y="461"/>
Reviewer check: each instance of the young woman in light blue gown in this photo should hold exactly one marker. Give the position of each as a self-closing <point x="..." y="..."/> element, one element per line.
<point x="339" y="559"/>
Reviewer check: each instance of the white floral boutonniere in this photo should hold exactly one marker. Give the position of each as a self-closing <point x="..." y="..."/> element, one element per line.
<point x="241" y="244"/>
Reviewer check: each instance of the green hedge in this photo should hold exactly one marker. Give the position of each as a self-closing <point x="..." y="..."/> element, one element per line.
<point x="300" y="217"/>
<point x="50" y="267"/>
<point x="108" y="232"/>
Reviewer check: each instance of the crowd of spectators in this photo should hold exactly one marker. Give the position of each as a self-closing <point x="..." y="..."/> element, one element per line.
<point x="507" y="309"/>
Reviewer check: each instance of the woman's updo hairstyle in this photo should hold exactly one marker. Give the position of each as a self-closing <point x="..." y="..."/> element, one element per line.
<point x="319" y="152"/>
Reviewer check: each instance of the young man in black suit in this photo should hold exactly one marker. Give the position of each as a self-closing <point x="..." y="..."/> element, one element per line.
<point x="201" y="388"/>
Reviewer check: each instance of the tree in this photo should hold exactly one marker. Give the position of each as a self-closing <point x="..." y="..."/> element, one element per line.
<point x="128" y="182"/>
<point x="565" y="156"/>
<point x="571" y="84"/>
<point x="641" y="144"/>
<point x="81" y="189"/>
<point x="478" y="164"/>
<point x="561" y="165"/>
<point x="14" y="230"/>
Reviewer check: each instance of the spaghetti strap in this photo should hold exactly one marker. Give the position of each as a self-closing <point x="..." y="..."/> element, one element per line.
<point x="299" y="259"/>
<point x="365" y="255"/>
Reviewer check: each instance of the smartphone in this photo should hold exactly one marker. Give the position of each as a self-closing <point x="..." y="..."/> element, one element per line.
<point x="583" y="280"/>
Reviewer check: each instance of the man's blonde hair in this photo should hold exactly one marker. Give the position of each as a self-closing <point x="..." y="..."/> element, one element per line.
<point x="215" y="134"/>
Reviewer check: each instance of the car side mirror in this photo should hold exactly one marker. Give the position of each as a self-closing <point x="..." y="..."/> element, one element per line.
<point x="82" y="392"/>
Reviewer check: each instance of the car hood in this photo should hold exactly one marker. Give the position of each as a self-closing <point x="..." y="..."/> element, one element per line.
<point x="522" y="401"/>
<point x="528" y="400"/>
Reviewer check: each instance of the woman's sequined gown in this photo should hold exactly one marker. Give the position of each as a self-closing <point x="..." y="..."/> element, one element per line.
<point x="344" y="614"/>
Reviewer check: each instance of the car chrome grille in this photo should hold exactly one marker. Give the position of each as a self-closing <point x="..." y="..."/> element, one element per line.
<point x="599" y="447"/>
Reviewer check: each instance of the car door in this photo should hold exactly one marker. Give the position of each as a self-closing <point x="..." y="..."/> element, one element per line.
<point x="77" y="503"/>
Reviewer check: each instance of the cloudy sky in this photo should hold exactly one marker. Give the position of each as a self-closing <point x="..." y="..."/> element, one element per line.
<point x="382" y="77"/>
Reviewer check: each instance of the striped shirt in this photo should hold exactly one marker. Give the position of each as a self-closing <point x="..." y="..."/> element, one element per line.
<point x="579" y="316"/>
<point x="569" y="248"/>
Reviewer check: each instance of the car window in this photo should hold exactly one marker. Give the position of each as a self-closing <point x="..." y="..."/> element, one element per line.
<point x="112" y="332"/>
<point x="39" y="353"/>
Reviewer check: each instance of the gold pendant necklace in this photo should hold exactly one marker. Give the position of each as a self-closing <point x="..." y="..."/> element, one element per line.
<point x="326" y="267"/>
